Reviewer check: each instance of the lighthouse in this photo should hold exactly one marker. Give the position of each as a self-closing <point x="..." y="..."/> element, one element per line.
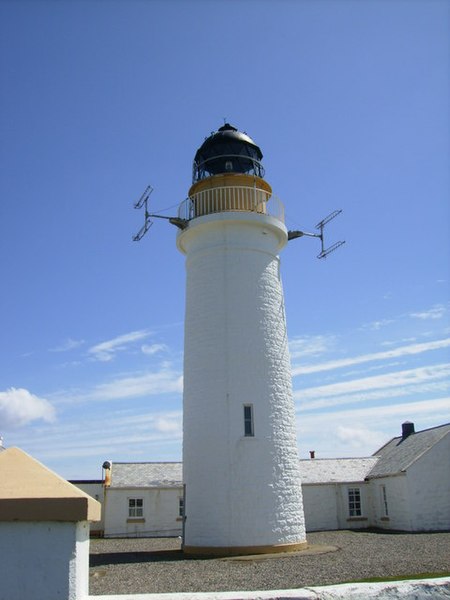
<point x="240" y="458"/>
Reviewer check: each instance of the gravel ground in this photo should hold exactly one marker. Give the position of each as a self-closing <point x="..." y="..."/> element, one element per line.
<point x="138" y="566"/>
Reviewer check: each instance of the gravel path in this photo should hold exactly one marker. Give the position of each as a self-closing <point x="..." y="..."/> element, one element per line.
<point x="125" y="566"/>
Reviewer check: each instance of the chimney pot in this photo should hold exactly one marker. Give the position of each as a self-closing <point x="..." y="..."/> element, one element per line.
<point x="407" y="429"/>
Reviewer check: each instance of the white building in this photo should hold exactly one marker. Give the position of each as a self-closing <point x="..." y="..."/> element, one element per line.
<point x="143" y="500"/>
<point x="410" y="483"/>
<point x="404" y="486"/>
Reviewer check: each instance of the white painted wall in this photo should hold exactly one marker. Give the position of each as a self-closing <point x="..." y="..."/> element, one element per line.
<point x="320" y="506"/>
<point x="44" y="561"/>
<point x="160" y="512"/>
<point x="429" y="489"/>
<point x="326" y="506"/>
<point x="240" y="491"/>
<point x="345" y="521"/>
<point x="95" y="490"/>
<point x="397" y="500"/>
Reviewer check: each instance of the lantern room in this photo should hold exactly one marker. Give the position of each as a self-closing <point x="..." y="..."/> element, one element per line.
<point x="227" y="151"/>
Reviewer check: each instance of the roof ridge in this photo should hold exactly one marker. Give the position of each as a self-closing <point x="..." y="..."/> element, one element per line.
<point x="148" y="462"/>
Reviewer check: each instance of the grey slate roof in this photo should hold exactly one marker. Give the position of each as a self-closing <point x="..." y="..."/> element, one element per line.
<point x="149" y="474"/>
<point x="393" y="458"/>
<point x="336" y="470"/>
<point x="397" y="455"/>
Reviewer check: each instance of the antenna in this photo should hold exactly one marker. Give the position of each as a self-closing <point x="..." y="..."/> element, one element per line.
<point x="143" y="202"/>
<point x="292" y="235"/>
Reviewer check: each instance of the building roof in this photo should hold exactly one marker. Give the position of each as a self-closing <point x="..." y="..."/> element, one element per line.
<point x="146" y="474"/>
<point x="336" y="470"/>
<point x="398" y="454"/>
<point x="31" y="492"/>
<point x="169" y="474"/>
<point x="393" y="458"/>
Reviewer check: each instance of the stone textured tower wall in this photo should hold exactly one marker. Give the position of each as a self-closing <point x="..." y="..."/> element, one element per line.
<point x="242" y="493"/>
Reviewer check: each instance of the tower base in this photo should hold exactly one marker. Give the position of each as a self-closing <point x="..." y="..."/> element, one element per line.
<point x="243" y="550"/>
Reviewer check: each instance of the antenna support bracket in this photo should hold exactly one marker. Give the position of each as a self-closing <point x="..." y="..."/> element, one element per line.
<point x="324" y="252"/>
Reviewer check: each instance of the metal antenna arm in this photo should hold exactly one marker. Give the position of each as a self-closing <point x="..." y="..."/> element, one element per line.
<point x="330" y="249"/>
<point x="180" y="223"/>
<point x="292" y="235"/>
<point x="143" y="202"/>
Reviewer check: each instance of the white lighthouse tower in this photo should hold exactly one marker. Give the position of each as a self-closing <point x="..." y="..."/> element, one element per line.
<point x="240" y="458"/>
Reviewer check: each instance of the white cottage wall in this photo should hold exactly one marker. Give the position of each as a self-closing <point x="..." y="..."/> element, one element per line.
<point x="160" y="512"/>
<point x="397" y="503"/>
<point x="320" y="506"/>
<point x="429" y="489"/>
<point x="96" y="491"/>
<point x="345" y="520"/>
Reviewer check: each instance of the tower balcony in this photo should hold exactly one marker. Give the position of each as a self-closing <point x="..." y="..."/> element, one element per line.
<point x="231" y="199"/>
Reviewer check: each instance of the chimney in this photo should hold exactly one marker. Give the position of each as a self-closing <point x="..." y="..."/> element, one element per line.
<point x="407" y="429"/>
<point x="107" y="466"/>
<point x="312" y="454"/>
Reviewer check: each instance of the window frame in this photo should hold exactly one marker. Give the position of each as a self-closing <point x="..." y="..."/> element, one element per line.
<point x="384" y="502"/>
<point x="354" y="502"/>
<point x="137" y="508"/>
<point x="249" y="421"/>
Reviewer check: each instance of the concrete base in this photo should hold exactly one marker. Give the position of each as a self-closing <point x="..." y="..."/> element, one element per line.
<point x="243" y="550"/>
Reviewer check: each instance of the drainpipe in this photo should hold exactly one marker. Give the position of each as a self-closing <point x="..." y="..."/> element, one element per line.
<point x="107" y="467"/>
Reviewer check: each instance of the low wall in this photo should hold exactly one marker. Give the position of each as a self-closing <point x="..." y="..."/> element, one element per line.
<point x="437" y="589"/>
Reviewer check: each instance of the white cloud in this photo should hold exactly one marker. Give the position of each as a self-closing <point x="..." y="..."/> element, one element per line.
<point x="125" y="437"/>
<point x="385" y="355"/>
<point x="165" y="381"/>
<point x="153" y="348"/>
<point x="377" y="325"/>
<point x="313" y="345"/>
<point x="400" y="383"/>
<point x="362" y="430"/>
<point x="436" y="312"/>
<point x="404" y="341"/>
<point x="435" y="409"/>
<point x="358" y="435"/>
<point x="19" y="407"/>
<point x="171" y="423"/>
<point x="105" y="351"/>
<point x="147" y="384"/>
<point x="69" y="344"/>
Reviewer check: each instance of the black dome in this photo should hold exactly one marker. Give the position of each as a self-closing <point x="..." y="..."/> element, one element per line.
<point x="227" y="151"/>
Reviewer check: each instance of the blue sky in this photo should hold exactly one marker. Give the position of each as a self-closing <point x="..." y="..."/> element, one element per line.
<point x="349" y="104"/>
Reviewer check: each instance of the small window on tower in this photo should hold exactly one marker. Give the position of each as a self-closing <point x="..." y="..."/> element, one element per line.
<point x="248" y="420"/>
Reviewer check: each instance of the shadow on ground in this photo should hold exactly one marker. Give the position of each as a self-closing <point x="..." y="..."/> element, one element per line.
<point x="123" y="558"/>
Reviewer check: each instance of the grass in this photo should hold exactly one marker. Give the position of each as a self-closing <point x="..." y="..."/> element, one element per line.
<point x="401" y="577"/>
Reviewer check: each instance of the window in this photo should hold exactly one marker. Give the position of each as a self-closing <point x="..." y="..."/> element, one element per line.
<point x="135" y="508"/>
<point x="181" y="507"/>
<point x="384" y="504"/>
<point x="354" y="502"/>
<point x="248" y="420"/>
